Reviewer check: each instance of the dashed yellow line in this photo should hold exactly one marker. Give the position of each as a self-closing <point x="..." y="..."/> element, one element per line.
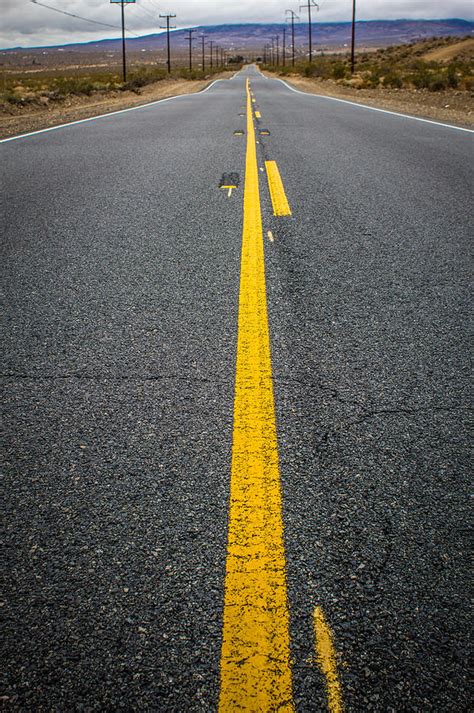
<point x="258" y="115"/>
<point x="277" y="191"/>
<point x="326" y="656"/>
<point x="255" y="659"/>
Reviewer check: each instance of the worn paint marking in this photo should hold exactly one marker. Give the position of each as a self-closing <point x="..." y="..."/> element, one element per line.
<point x="277" y="190"/>
<point x="255" y="659"/>
<point x="258" y="115"/>
<point x="229" y="190"/>
<point x="326" y="656"/>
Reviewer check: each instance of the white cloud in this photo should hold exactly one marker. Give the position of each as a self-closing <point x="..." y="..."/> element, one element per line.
<point x="27" y="25"/>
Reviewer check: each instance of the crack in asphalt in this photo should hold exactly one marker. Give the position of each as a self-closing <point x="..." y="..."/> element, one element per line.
<point x="334" y="393"/>
<point x="408" y="412"/>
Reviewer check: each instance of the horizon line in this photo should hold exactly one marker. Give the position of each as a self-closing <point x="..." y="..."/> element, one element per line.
<point x="237" y="24"/>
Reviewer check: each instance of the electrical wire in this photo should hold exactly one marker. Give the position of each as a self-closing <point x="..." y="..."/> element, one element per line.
<point x="155" y="6"/>
<point x="141" y="9"/>
<point x="78" y="17"/>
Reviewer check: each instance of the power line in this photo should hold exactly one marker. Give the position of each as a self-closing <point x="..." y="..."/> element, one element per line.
<point x="144" y="23"/>
<point x="78" y="17"/>
<point x="153" y="5"/>
<point x="143" y="9"/>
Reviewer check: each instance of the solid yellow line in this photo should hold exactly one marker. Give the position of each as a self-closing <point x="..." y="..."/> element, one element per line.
<point x="326" y="656"/>
<point x="255" y="658"/>
<point x="277" y="191"/>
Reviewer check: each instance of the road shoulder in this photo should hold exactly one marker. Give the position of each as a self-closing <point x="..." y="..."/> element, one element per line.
<point x="86" y="107"/>
<point x="452" y="109"/>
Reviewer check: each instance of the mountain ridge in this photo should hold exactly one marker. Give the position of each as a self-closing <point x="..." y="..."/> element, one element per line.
<point x="244" y="36"/>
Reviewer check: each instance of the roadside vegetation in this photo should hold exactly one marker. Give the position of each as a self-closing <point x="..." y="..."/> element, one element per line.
<point x="18" y="90"/>
<point x="434" y="65"/>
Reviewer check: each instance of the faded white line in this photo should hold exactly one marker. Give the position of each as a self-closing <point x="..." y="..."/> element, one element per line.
<point x="112" y="113"/>
<point x="374" y="108"/>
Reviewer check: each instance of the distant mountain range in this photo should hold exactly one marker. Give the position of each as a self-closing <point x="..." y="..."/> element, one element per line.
<point x="325" y="35"/>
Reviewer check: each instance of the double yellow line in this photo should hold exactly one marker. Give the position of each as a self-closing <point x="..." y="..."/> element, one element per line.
<point x="255" y="659"/>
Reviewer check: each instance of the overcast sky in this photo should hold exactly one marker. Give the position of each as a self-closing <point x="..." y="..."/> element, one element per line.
<point x="24" y="24"/>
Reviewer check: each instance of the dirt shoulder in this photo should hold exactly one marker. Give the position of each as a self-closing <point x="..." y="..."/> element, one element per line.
<point x="451" y="107"/>
<point x="23" y="120"/>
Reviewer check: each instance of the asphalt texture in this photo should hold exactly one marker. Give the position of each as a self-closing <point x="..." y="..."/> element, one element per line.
<point x="121" y="265"/>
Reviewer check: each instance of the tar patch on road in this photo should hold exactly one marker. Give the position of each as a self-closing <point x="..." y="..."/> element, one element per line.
<point x="229" y="179"/>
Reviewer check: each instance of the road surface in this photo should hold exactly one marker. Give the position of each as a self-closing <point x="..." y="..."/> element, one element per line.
<point x="330" y="398"/>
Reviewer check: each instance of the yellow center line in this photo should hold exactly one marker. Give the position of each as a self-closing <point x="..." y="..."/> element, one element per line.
<point x="326" y="656"/>
<point x="277" y="190"/>
<point x="255" y="658"/>
<point x="258" y="115"/>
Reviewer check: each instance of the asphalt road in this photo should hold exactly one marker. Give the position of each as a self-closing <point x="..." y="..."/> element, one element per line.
<point x="121" y="266"/>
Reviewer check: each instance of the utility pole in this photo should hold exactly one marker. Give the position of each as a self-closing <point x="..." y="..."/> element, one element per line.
<point x="190" y="40"/>
<point x="122" y="9"/>
<point x="353" y="36"/>
<point x="211" y="43"/>
<point x="277" y="39"/>
<point x="272" y="51"/>
<point x="168" y="38"/>
<point x="283" y="51"/>
<point x="311" y="3"/>
<point x="124" y="62"/>
<point x="292" y="17"/>
<point x="217" y="55"/>
<point x="203" y="45"/>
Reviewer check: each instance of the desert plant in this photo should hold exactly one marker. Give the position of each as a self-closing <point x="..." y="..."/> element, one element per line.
<point x="420" y="80"/>
<point x="339" y="70"/>
<point x="452" y="77"/>
<point x="393" y="79"/>
<point x="372" y="78"/>
<point x="437" y="83"/>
